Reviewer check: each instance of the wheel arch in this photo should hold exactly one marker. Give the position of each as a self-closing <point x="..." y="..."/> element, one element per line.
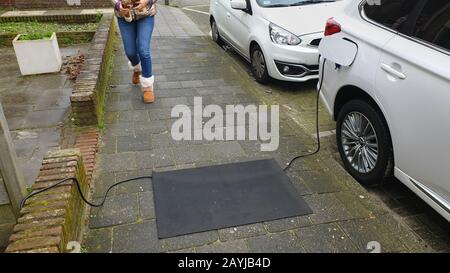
<point x="351" y="92"/>
<point x="253" y="43"/>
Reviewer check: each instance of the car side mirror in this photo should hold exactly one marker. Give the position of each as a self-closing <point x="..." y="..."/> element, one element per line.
<point x="239" y="4"/>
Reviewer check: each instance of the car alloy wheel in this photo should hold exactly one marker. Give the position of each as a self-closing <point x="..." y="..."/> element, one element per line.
<point x="259" y="64"/>
<point x="359" y="142"/>
<point x="364" y="142"/>
<point x="259" y="67"/>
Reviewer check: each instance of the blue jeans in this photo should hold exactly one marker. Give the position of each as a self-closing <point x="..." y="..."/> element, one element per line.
<point x="136" y="38"/>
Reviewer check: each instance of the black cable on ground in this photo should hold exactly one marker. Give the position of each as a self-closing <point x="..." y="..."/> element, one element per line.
<point x="289" y="165"/>
<point x="81" y="192"/>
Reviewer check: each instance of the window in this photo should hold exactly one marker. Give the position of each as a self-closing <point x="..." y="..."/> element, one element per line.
<point x="390" y="13"/>
<point x="433" y="23"/>
<point x="428" y="20"/>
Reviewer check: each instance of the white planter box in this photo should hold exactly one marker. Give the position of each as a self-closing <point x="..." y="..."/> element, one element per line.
<point x="38" y="56"/>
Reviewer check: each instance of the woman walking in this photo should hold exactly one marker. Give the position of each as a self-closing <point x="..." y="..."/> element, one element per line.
<point x="136" y="21"/>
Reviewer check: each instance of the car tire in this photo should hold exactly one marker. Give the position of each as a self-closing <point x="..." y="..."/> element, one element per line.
<point x="364" y="143"/>
<point x="259" y="65"/>
<point x="215" y="33"/>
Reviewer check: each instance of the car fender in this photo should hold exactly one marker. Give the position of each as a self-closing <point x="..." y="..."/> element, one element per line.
<point x="260" y="29"/>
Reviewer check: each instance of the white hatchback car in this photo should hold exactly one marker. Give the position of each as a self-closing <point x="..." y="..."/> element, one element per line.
<point x="279" y="37"/>
<point x="392" y="99"/>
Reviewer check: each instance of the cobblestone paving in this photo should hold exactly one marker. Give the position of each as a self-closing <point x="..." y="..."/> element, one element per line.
<point x="137" y="140"/>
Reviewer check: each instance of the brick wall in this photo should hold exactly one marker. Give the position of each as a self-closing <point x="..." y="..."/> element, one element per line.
<point x="48" y="4"/>
<point x="53" y="18"/>
<point x="88" y="95"/>
<point x="53" y="218"/>
<point x="6" y="3"/>
<point x="50" y="220"/>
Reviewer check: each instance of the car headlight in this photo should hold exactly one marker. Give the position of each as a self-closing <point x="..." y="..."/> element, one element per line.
<point x="282" y="37"/>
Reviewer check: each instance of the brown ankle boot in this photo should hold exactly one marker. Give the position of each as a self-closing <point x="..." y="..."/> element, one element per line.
<point x="136" y="77"/>
<point x="149" y="95"/>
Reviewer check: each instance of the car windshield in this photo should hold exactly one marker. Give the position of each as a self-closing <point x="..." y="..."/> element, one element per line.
<point x="289" y="3"/>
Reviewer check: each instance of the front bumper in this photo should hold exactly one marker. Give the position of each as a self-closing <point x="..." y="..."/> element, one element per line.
<point x="302" y="60"/>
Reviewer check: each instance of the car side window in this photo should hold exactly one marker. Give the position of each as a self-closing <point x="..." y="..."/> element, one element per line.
<point x="433" y="23"/>
<point x="390" y="13"/>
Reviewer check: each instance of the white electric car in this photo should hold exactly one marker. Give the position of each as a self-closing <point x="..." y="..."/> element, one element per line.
<point x="279" y="37"/>
<point x="386" y="81"/>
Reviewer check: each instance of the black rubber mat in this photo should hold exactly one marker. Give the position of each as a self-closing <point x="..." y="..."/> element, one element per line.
<point x="209" y="198"/>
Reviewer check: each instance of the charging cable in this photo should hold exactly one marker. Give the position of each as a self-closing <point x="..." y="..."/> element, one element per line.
<point x="22" y="204"/>
<point x="317" y="150"/>
<point x="105" y="196"/>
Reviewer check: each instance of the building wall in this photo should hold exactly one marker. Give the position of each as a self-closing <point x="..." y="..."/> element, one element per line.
<point x="48" y="4"/>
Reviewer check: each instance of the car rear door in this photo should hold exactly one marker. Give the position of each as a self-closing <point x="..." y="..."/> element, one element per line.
<point x="413" y="86"/>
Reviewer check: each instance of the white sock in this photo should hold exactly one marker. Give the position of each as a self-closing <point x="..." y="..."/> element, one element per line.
<point x="136" y="68"/>
<point x="147" y="82"/>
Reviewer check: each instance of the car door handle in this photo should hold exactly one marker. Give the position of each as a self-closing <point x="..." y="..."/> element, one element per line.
<point x="228" y="15"/>
<point x="394" y="72"/>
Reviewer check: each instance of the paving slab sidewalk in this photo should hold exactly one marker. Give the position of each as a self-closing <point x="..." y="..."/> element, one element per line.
<point x="137" y="141"/>
<point x="35" y="108"/>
